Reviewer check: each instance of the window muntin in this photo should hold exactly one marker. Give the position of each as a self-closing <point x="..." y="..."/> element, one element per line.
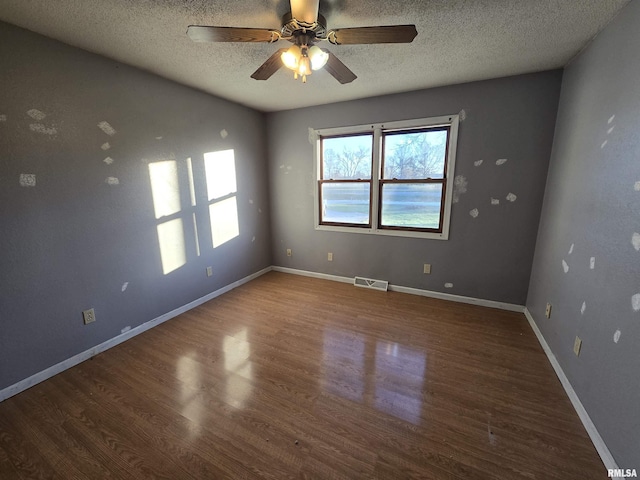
<point x="411" y="186"/>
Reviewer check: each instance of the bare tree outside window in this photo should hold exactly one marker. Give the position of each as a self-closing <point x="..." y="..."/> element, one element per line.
<point x="415" y="155"/>
<point x="347" y="158"/>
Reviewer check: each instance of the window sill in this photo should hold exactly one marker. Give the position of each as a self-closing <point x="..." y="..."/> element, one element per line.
<point x="390" y="233"/>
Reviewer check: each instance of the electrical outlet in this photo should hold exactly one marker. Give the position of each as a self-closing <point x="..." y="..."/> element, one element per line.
<point x="288" y="252"/>
<point x="547" y="312"/>
<point x="89" y="316"/>
<point x="209" y="271"/>
<point x="427" y="268"/>
<point x="577" y="345"/>
<point x="330" y="256"/>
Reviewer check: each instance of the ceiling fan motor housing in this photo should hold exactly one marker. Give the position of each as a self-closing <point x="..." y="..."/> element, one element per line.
<point x="296" y="31"/>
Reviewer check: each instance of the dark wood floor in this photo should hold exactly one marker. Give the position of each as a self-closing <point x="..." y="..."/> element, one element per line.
<point x="292" y="377"/>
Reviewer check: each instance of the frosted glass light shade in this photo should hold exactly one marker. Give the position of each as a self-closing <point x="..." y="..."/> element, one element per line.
<point x="291" y="58"/>
<point x="318" y="57"/>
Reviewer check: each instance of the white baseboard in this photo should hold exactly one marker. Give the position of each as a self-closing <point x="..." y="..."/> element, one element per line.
<point x="413" y="291"/>
<point x="87" y="354"/>
<point x="598" y="442"/>
<point x="306" y="273"/>
<point x="458" y="298"/>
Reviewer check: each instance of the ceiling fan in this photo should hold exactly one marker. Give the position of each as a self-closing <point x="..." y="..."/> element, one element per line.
<point x="303" y="26"/>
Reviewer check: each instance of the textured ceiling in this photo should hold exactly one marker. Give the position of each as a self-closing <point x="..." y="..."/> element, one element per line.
<point x="458" y="41"/>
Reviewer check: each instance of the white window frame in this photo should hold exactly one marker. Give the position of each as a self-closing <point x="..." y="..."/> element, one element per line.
<point x="451" y="121"/>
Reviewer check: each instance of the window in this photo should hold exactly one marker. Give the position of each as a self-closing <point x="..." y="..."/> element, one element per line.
<point x="345" y="180"/>
<point x="390" y="179"/>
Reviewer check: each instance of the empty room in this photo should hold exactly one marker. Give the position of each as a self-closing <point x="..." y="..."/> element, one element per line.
<point x="321" y="239"/>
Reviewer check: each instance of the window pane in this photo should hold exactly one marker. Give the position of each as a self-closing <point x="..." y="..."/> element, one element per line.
<point x="409" y="155"/>
<point x="411" y="205"/>
<point x="345" y="202"/>
<point x="347" y="158"/>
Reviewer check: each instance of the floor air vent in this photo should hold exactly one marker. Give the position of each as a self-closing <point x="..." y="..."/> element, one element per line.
<point x="371" y="283"/>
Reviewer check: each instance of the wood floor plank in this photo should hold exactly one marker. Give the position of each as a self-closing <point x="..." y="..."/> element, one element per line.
<point x="295" y="377"/>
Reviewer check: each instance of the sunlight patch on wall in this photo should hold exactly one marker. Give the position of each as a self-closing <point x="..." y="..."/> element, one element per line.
<point x="224" y="221"/>
<point x="220" y="174"/>
<point x="165" y="188"/>
<point x="195" y="234"/>
<point x="165" y="191"/>
<point x="172" y="249"/>
<point x="192" y="186"/>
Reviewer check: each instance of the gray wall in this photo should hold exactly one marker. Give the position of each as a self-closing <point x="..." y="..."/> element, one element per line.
<point x="487" y="257"/>
<point x="71" y="242"/>
<point x="593" y="203"/>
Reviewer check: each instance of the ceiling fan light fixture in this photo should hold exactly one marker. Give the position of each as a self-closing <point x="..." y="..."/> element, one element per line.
<point x="318" y="57"/>
<point x="291" y="58"/>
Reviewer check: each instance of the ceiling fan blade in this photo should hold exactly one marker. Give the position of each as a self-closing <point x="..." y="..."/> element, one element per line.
<point x="338" y="69"/>
<point x="201" y="33"/>
<point x="271" y="66"/>
<point x="363" y="35"/>
<point x="305" y="10"/>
